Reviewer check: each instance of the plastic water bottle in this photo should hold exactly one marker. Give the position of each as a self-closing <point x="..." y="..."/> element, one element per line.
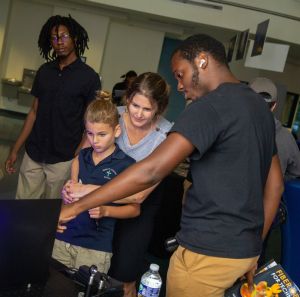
<point x="150" y="283"/>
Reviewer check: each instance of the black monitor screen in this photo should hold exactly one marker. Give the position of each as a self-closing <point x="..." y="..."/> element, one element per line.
<point x="260" y="36"/>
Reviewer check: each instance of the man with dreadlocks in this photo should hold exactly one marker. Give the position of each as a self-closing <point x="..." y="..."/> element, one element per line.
<point x="53" y="129"/>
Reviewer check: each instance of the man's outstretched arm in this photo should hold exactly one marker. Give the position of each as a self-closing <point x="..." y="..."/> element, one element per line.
<point x="137" y="177"/>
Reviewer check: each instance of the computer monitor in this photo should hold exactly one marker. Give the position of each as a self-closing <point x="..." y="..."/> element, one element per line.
<point x="27" y="233"/>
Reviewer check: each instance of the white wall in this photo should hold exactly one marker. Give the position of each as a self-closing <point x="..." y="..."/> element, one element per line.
<point x="4" y="10"/>
<point x="23" y="29"/>
<point x="130" y="48"/>
<point x="114" y="47"/>
<point x="290" y="77"/>
<point x="21" y="50"/>
<point x="231" y="17"/>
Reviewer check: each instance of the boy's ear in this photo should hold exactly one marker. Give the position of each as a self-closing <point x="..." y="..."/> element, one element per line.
<point x="118" y="131"/>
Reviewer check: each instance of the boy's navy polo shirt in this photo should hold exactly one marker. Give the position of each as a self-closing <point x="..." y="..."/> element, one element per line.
<point x="84" y="231"/>
<point x="62" y="99"/>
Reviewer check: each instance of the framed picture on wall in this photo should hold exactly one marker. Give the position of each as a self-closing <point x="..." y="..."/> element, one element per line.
<point x="260" y="37"/>
<point x="231" y="47"/>
<point x="242" y="44"/>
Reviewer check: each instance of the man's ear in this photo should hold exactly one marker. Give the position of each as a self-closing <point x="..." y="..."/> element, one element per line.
<point x="118" y="131"/>
<point x="201" y="61"/>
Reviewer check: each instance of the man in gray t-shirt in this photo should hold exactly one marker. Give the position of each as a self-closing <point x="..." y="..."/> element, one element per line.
<point x="288" y="151"/>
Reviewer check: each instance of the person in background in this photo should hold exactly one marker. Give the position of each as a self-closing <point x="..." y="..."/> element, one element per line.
<point x="288" y="151"/>
<point x="143" y="129"/>
<point x="88" y="238"/>
<point x="228" y="134"/>
<point x="53" y="128"/>
<point x="119" y="89"/>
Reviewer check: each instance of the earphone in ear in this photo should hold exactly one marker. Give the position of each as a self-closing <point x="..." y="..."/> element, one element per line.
<point x="202" y="61"/>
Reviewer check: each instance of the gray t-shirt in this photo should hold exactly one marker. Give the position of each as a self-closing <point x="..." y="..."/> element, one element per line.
<point x="233" y="132"/>
<point x="288" y="152"/>
<point x="147" y="145"/>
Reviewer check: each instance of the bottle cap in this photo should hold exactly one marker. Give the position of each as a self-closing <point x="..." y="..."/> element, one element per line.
<point x="154" y="267"/>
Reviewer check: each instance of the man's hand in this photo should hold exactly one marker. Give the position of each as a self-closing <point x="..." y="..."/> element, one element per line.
<point x="250" y="275"/>
<point x="67" y="214"/>
<point x="60" y="227"/>
<point x="10" y="162"/>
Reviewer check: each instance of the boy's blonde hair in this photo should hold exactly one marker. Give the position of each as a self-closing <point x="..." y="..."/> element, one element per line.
<point x="102" y="110"/>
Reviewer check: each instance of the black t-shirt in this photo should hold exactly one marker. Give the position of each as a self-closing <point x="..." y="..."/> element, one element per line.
<point x="62" y="99"/>
<point x="233" y="132"/>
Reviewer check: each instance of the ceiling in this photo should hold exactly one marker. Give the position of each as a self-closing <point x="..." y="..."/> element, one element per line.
<point x="175" y="28"/>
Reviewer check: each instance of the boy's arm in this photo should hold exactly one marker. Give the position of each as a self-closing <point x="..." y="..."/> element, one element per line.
<point x="74" y="179"/>
<point x="75" y="169"/>
<point x="117" y="212"/>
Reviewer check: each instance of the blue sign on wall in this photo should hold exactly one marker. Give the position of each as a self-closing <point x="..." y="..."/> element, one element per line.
<point x="177" y="101"/>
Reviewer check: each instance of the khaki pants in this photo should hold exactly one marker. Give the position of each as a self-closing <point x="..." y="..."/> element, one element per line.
<point x="74" y="256"/>
<point x="40" y="180"/>
<point x="196" y="275"/>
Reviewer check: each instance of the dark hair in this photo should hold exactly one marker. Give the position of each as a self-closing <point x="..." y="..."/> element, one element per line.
<point x="191" y="47"/>
<point x="102" y="110"/>
<point x="152" y="86"/>
<point x="77" y="33"/>
<point x="130" y="73"/>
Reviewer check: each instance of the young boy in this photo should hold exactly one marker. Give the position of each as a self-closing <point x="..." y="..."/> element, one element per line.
<point x="88" y="238"/>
